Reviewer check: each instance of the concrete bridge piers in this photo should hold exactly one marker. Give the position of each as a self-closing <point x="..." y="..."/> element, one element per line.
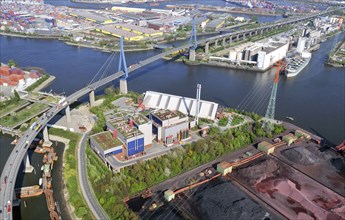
<point x="92" y="98"/>
<point x="68" y="114"/>
<point x="191" y="54"/>
<point x="123" y="85"/>
<point x="28" y="168"/>
<point x="224" y="42"/>
<point x="207" y="47"/>
<point x="46" y="142"/>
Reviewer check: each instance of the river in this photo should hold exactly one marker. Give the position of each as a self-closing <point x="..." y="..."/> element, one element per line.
<point x="314" y="98"/>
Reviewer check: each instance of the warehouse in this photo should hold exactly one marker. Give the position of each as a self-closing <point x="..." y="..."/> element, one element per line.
<point x="147" y="32"/>
<point x="185" y="105"/>
<point x="105" y="144"/>
<point x="132" y="138"/>
<point x="215" y="25"/>
<point x="271" y="54"/>
<point x="110" y="29"/>
<point x="127" y="9"/>
<point x="170" y="21"/>
<point x="90" y="16"/>
<point x="170" y="126"/>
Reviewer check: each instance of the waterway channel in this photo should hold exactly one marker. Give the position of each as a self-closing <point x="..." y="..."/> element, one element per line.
<point x="314" y="98"/>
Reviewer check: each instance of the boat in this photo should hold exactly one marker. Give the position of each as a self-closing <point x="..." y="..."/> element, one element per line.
<point x="296" y="64"/>
<point x="290" y="118"/>
<point x="40" y="181"/>
<point x="39" y="150"/>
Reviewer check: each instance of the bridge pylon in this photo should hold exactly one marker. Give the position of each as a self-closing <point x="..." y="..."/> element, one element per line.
<point x="123" y="67"/>
<point x="193" y="41"/>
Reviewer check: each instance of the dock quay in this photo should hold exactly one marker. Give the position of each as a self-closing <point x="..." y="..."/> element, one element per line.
<point x="234" y="10"/>
<point x="28" y="191"/>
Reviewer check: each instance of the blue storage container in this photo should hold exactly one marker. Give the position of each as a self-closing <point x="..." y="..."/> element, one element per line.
<point x="136" y="146"/>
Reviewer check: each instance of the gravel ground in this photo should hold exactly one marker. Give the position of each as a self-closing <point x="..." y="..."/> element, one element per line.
<point x="223" y="200"/>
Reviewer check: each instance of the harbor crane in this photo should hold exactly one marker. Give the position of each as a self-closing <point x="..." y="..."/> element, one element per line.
<point x="269" y="117"/>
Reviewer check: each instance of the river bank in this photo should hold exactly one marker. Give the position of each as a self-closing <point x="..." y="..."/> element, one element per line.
<point x="70" y="209"/>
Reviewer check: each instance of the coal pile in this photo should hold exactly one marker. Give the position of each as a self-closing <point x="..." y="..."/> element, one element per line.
<point x="307" y="156"/>
<point x="225" y="201"/>
<point x="259" y="171"/>
<point x="339" y="164"/>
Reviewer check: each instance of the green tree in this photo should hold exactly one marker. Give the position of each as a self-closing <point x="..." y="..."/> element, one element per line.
<point x="12" y="63"/>
<point x="16" y="96"/>
<point x="254" y="18"/>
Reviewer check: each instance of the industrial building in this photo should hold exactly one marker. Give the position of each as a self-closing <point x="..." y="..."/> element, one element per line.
<point x="289" y="139"/>
<point x="127" y="9"/>
<point x="215" y="25"/>
<point x="91" y="16"/>
<point x="299" y="133"/>
<point x="169" y="195"/>
<point x="147" y="32"/>
<point x="110" y="29"/>
<point x="187" y="106"/>
<point x="130" y="135"/>
<point x="251" y="53"/>
<point x="172" y="22"/>
<point x="224" y="168"/>
<point x="271" y="53"/>
<point x="105" y="144"/>
<point x="170" y="127"/>
<point x="266" y="147"/>
<point x="145" y="126"/>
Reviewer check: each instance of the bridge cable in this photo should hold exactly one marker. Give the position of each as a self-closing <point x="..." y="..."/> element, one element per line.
<point x="92" y="80"/>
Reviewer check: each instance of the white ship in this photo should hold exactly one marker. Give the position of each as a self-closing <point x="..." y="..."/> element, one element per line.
<point x="296" y="64"/>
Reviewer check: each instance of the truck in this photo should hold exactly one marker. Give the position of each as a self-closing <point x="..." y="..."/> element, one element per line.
<point x="64" y="104"/>
<point x="33" y="125"/>
<point x="8" y="206"/>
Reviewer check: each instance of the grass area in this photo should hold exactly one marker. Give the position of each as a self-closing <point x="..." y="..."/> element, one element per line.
<point x="51" y="99"/>
<point x="22" y="115"/>
<point x="70" y="173"/>
<point x="9" y="105"/>
<point x="237" y="120"/>
<point x="106" y="141"/>
<point x="43" y="78"/>
<point x="223" y="121"/>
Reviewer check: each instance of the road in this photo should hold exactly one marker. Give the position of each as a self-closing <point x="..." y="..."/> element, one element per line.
<point x="19" y="151"/>
<point x="87" y="191"/>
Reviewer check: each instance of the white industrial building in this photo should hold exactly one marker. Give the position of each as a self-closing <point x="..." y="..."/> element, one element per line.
<point x="271" y="54"/>
<point x="170" y="127"/>
<point x="185" y="105"/>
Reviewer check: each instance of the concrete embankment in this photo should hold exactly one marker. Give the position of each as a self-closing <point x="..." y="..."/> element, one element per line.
<point x="44" y="84"/>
